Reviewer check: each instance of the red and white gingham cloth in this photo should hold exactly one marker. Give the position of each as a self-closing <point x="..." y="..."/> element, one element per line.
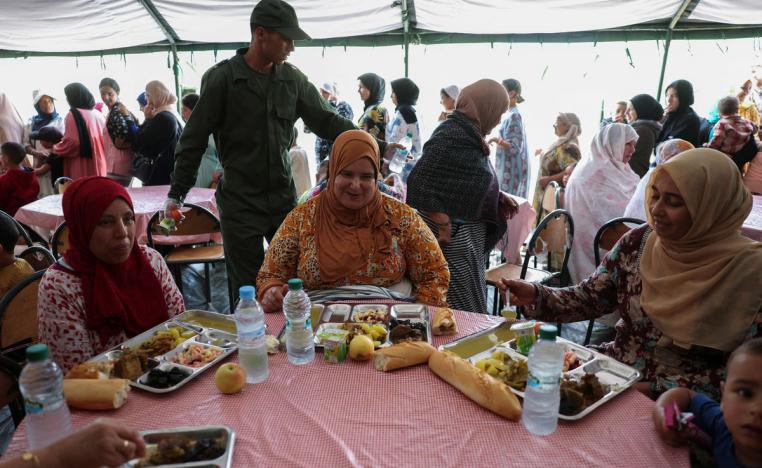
<point x="46" y="214"/>
<point x="349" y="414"/>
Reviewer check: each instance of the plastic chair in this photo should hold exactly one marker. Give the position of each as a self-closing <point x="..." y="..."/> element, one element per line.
<point x="547" y="230"/>
<point x="9" y="389"/>
<point x="61" y="184"/>
<point x="59" y="242"/>
<point x="38" y="257"/>
<point x="198" y="221"/>
<point x="34" y="236"/>
<point x="606" y="237"/>
<point x="18" y="317"/>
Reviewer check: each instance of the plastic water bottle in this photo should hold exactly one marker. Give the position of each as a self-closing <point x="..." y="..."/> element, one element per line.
<point x="297" y="307"/>
<point x="398" y="160"/>
<point x="542" y="396"/>
<point x="41" y="384"/>
<point x="252" y="344"/>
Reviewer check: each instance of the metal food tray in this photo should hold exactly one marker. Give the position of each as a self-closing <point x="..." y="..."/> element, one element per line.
<point x="616" y="375"/>
<point x="342" y="313"/>
<point x="224" y="461"/>
<point x="163" y="361"/>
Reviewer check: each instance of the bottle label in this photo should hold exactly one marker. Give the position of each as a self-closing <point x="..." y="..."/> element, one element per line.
<point x="539" y="381"/>
<point x="307" y="325"/>
<point x="37" y="407"/>
<point x="254" y="335"/>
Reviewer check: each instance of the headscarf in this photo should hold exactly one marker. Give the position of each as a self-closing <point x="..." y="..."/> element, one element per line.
<point x="120" y="297"/>
<point x="407" y="96"/>
<point x="704" y="289"/>
<point x="647" y="107"/>
<point x="346" y="238"/>
<point x="377" y="87"/>
<point x="452" y="91"/>
<point x="636" y="208"/>
<point x="11" y="125"/>
<point x="142" y="99"/>
<point x="575" y="129"/>
<point x="684" y="90"/>
<point x="483" y="103"/>
<point x="598" y="190"/>
<point x="42" y="119"/>
<point x="159" y="97"/>
<point x="79" y="97"/>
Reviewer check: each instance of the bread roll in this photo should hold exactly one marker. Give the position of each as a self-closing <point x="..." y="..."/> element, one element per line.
<point x="91" y="370"/>
<point x="444" y="323"/>
<point x="408" y="353"/>
<point x="91" y="394"/>
<point x="476" y="384"/>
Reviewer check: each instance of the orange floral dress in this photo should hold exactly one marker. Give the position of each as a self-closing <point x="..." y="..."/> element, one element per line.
<point x="415" y="255"/>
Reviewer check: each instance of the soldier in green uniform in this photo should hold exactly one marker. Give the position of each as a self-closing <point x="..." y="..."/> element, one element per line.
<point x="249" y="103"/>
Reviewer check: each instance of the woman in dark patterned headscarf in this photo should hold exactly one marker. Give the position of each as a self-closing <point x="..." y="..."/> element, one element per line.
<point x="455" y="189"/>
<point x="375" y="117"/>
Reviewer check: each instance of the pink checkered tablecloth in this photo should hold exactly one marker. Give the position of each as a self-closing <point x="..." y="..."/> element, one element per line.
<point x="46" y="214"/>
<point x="752" y="227"/>
<point x="349" y="414"/>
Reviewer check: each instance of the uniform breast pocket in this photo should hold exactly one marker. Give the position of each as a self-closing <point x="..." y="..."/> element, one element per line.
<point x="285" y="102"/>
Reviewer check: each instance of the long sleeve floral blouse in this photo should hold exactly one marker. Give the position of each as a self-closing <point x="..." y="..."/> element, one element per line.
<point x="615" y="287"/>
<point x="62" y="317"/>
<point x="415" y="255"/>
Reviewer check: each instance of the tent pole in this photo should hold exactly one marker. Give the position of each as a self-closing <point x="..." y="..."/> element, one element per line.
<point x="176" y="72"/>
<point x="664" y="63"/>
<point x="406" y="34"/>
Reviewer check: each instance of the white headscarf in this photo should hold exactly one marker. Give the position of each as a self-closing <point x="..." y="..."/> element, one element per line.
<point x="452" y="91"/>
<point x="598" y="190"/>
<point x="11" y="125"/>
<point x="637" y="206"/>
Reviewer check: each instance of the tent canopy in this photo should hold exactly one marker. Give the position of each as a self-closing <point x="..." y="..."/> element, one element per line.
<point x="85" y="27"/>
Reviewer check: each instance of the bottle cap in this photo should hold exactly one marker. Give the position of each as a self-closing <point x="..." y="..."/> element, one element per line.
<point x="295" y="284"/>
<point x="246" y="292"/>
<point x="37" y="352"/>
<point x="548" y="332"/>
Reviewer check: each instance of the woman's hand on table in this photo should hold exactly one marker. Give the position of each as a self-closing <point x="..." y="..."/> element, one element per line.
<point x="523" y="293"/>
<point x="272" y="300"/>
<point x="105" y="442"/>
<point x="508" y="206"/>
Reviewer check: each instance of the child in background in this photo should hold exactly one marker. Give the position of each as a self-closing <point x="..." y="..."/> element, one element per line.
<point x="18" y="186"/>
<point x="300" y="169"/>
<point x="12" y="269"/>
<point x="732" y="132"/>
<point x="618" y="116"/>
<point x="735" y="424"/>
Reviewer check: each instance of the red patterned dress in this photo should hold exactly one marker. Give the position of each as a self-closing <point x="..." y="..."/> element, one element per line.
<point x="62" y="320"/>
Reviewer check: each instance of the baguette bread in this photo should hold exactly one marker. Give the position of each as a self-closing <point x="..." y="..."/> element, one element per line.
<point x="96" y="394"/>
<point x="476" y="384"/>
<point x="401" y="355"/>
<point x="444" y="323"/>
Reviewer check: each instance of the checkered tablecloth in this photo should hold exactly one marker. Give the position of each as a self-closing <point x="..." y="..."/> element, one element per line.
<point x="349" y="414"/>
<point x="752" y="227"/>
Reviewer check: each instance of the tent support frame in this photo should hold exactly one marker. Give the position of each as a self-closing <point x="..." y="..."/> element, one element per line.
<point x="682" y="12"/>
<point x="172" y="38"/>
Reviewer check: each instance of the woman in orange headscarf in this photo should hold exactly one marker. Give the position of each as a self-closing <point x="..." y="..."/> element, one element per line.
<point x="352" y="234"/>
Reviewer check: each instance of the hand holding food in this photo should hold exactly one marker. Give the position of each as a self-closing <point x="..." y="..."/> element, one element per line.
<point x="523" y="293"/>
<point x="476" y="384"/>
<point x="401" y="355"/>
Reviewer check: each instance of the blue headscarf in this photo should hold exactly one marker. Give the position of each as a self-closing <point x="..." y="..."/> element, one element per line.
<point x="42" y="119"/>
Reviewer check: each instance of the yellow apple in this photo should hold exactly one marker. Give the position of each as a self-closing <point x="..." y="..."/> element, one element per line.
<point x="230" y="378"/>
<point x="361" y="348"/>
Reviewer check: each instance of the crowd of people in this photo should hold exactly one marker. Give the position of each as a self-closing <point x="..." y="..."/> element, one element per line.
<point x="682" y="291"/>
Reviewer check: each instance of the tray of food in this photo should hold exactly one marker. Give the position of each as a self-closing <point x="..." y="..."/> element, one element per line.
<point x="203" y="446"/>
<point x="589" y="379"/>
<point x="169" y="355"/>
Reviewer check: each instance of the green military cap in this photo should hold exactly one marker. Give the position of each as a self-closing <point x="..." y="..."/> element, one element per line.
<point x="278" y="15"/>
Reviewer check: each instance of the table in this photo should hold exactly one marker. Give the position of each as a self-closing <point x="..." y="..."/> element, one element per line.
<point x="46" y="213"/>
<point x="350" y="414"/>
<point x="519" y="228"/>
<point x="752" y="227"/>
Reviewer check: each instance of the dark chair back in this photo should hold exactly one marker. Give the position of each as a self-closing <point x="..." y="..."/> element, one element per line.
<point x="61" y="184"/>
<point x="34" y="236"/>
<point x="18" y="317"/>
<point x="198" y="220"/>
<point x="59" y="243"/>
<point x="610" y="233"/>
<point x="24" y="238"/>
<point x="557" y="232"/>
<point x="9" y="388"/>
<point x="38" y="257"/>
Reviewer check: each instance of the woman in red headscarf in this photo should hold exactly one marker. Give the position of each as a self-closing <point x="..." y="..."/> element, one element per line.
<point x="106" y="288"/>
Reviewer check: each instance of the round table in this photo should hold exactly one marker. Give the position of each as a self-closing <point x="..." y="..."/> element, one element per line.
<point x="349" y="414"/>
